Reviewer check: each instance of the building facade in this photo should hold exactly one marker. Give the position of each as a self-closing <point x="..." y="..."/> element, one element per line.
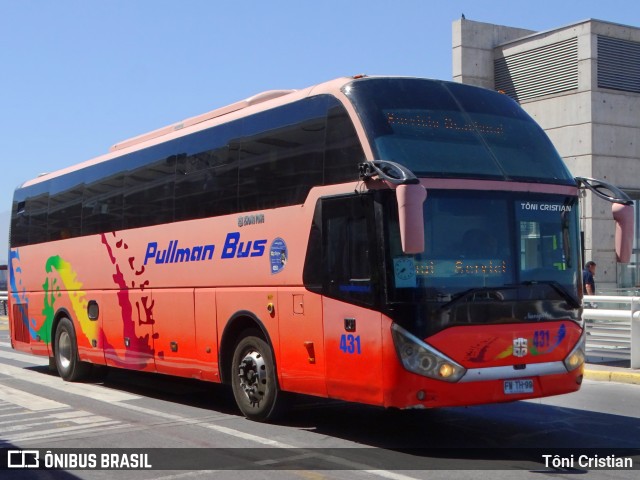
<point x="581" y="83"/>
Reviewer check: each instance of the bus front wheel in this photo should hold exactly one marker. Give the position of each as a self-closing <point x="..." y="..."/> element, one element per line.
<point x="253" y="378"/>
<point x="68" y="363"/>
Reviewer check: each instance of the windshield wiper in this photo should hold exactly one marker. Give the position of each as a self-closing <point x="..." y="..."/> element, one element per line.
<point x="490" y="294"/>
<point x="497" y="296"/>
<point x="564" y="293"/>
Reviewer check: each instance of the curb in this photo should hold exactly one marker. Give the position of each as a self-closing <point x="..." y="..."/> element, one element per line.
<point x="610" y="376"/>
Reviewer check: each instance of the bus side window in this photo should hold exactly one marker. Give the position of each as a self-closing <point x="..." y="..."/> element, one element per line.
<point x="36" y="213"/>
<point x="207" y="173"/>
<point x="19" y="231"/>
<point x="149" y="190"/>
<point x="102" y="205"/>
<point x="343" y="151"/>
<point x="281" y="154"/>
<point x="64" y="219"/>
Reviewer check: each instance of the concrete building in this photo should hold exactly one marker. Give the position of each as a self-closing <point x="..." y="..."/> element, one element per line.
<point x="581" y="83"/>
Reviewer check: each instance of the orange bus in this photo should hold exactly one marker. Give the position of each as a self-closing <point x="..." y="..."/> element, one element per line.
<point x="399" y="242"/>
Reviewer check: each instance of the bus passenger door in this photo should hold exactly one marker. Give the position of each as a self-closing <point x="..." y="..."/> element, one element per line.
<point x="352" y="328"/>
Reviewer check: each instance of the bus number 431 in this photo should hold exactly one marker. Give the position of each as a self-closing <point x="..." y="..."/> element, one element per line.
<point x="350" y="344"/>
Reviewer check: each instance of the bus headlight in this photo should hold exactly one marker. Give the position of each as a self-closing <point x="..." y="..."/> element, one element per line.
<point x="418" y="357"/>
<point x="577" y="355"/>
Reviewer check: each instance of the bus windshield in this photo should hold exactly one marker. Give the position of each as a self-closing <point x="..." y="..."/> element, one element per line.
<point x="502" y="248"/>
<point x="444" y="129"/>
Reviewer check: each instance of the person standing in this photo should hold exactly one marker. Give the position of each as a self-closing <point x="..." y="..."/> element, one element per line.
<point x="588" y="282"/>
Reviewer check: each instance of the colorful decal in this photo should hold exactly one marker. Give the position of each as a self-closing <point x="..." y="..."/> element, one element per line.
<point x="278" y="255"/>
<point x="77" y="297"/>
<point x="52" y="291"/>
<point x="18" y="291"/>
<point x="61" y="279"/>
<point x="540" y="344"/>
<point x="478" y="352"/>
<point x="136" y="307"/>
<point x="127" y="276"/>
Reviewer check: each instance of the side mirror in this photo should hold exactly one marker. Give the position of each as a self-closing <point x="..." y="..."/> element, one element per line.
<point x="411" y="198"/>
<point x="604" y="190"/>
<point x="622" y="210"/>
<point x="623" y="215"/>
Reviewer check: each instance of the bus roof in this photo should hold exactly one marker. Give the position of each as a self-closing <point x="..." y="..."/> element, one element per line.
<point x="218" y="112"/>
<point x="256" y="103"/>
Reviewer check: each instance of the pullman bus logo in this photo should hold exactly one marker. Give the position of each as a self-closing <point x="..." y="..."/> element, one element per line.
<point x="520" y="347"/>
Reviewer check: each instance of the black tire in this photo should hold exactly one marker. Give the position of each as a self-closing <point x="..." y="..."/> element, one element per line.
<point x="52" y="365"/>
<point x="68" y="364"/>
<point x="253" y="378"/>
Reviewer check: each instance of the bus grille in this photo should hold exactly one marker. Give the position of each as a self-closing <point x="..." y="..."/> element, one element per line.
<point x="20" y="326"/>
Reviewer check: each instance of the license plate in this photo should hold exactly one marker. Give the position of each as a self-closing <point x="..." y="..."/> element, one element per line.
<point x="518" y="386"/>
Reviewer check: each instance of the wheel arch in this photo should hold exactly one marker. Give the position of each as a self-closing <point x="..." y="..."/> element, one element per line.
<point x="238" y="323"/>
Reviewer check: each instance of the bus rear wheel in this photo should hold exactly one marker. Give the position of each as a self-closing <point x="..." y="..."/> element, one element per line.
<point x="68" y="363"/>
<point x="253" y="378"/>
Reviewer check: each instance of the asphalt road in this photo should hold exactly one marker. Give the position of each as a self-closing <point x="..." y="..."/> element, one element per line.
<point x="317" y="439"/>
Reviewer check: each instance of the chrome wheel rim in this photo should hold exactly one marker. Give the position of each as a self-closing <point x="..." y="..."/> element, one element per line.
<point x="64" y="349"/>
<point x="253" y="377"/>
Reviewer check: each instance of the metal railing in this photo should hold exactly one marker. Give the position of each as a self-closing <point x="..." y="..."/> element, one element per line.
<point x="3" y="303"/>
<point x="613" y="333"/>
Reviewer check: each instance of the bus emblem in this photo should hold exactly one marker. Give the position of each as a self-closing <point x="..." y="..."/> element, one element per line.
<point x="520" y="347"/>
<point x="250" y="220"/>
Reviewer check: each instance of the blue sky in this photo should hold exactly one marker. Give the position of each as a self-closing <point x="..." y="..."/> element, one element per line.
<point x="78" y="76"/>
